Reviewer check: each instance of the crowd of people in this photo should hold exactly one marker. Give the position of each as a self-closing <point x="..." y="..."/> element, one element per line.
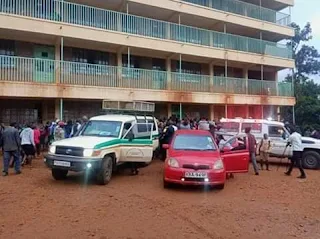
<point x="22" y="143"/>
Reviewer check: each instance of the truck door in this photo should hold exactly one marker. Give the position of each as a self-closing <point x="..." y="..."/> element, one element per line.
<point x="236" y="160"/>
<point x="135" y="148"/>
<point x="278" y="137"/>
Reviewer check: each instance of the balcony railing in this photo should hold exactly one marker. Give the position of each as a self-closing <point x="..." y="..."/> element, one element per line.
<point x="57" y="10"/>
<point x="246" y="9"/>
<point x="20" y="69"/>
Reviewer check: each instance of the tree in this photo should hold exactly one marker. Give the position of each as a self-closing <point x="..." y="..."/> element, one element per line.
<point x="307" y="64"/>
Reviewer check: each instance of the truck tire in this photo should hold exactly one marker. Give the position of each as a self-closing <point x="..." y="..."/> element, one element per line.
<point x="311" y="160"/>
<point x="59" y="174"/>
<point x="104" y="174"/>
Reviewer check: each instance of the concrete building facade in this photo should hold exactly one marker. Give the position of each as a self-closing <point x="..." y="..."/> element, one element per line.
<point x="212" y="58"/>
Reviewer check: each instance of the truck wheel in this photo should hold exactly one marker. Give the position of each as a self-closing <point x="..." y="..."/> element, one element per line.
<point x="105" y="172"/>
<point x="59" y="174"/>
<point x="311" y="160"/>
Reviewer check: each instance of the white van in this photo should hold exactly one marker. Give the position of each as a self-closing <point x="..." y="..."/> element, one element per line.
<point x="278" y="135"/>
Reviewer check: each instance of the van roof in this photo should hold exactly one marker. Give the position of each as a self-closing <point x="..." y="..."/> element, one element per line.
<point x="122" y="118"/>
<point x="258" y="121"/>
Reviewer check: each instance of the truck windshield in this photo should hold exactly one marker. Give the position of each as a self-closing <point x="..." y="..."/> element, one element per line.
<point x="102" y="128"/>
<point x="194" y="143"/>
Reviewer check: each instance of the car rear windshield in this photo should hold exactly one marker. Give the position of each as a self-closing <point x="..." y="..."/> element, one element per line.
<point x="102" y="128"/>
<point x="194" y="143"/>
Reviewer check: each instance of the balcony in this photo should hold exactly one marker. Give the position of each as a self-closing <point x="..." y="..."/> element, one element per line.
<point x="246" y="9"/>
<point x="19" y="69"/>
<point x="56" y="10"/>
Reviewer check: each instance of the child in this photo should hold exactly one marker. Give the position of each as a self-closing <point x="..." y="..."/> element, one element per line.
<point x="264" y="149"/>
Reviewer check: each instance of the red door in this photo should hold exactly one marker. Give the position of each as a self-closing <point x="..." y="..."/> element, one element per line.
<point x="236" y="161"/>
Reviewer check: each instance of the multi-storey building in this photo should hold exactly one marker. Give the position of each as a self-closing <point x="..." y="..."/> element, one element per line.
<point x="214" y="58"/>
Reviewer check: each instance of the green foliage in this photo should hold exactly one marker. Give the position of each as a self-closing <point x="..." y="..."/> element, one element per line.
<point x="307" y="92"/>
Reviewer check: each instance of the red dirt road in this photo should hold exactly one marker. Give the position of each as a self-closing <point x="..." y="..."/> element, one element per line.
<point x="33" y="205"/>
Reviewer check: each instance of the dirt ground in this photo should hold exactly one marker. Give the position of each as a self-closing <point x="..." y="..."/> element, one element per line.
<point x="33" y="205"/>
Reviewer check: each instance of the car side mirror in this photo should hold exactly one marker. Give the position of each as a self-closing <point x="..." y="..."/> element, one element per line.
<point x="165" y="146"/>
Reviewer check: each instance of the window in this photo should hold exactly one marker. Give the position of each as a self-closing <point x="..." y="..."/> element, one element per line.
<point x="7" y="47"/>
<point x="101" y="128"/>
<point x="158" y="64"/>
<point x="145" y="126"/>
<point x="89" y="56"/>
<point x="188" y="67"/>
<point x="255" y="127"/>
<point x="194" y="143"/>
<point x="230" y="127"/>
<point x="276" y="131"/>
<point x="134" y="61"/>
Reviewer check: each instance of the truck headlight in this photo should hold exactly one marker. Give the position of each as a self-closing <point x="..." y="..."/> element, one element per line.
<point x="87" y="152"/>
<point x="173" y="163"/>
<point x="218" y="165"/>
<point x="52" y="149"/>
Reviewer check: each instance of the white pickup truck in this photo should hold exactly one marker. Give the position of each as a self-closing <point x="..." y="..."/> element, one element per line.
<point x="278" y="135"/>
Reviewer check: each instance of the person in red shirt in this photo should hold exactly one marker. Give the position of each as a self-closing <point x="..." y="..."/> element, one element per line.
<point x="252" y="149"/>
<point x="36" y="135"/>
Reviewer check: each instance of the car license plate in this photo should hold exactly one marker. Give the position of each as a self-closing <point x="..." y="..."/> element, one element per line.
<point x="62" y="163"/>
<point x="195" y="175"/>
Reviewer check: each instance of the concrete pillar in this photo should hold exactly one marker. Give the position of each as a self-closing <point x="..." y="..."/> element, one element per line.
<point x="119" y="69"/>
<point x="226" y="111"/>
<point x="169" y="110"/>
<point x="247" y="112"/>
<point x="44" y="109"/>
<point x="211" y="73"/>
<point x="278" y="113"/>
<point x="57" y="109"/>
<point x="246" y="76"/>
<point x="57" y="52"/>
<point x="168" y="69"/>
<point x="211" y="112"/>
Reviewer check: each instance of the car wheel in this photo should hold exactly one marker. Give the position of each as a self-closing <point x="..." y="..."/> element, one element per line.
<point x="59" y="174"/>
<point x="311" y="160"/>
<point x="220" y="186"/>
<point x="105" y="172"/>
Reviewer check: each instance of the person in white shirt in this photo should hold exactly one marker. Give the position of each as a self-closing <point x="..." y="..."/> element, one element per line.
<point x="27" y="144"/>
<point x="295" y="141"/>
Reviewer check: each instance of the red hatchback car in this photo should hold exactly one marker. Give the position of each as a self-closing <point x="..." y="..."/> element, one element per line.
<point x="193" y="158"/>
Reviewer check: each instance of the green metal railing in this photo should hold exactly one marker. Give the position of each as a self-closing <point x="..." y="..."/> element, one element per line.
<point x="190" y="82"/>
<point x="285" y="89"/>
<point x="35" y="70"/>
<point x="57" y="10"/>
<point x="246" y="9"/>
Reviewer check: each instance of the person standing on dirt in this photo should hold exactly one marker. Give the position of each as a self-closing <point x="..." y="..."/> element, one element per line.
<point x="252" y="149"/>
<point x="10" y="143"/>
<point x="264" y="149"/>
<point x="166" y="138"/>
<point x="295" y="140"/>
<point x="28" y="145"/>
